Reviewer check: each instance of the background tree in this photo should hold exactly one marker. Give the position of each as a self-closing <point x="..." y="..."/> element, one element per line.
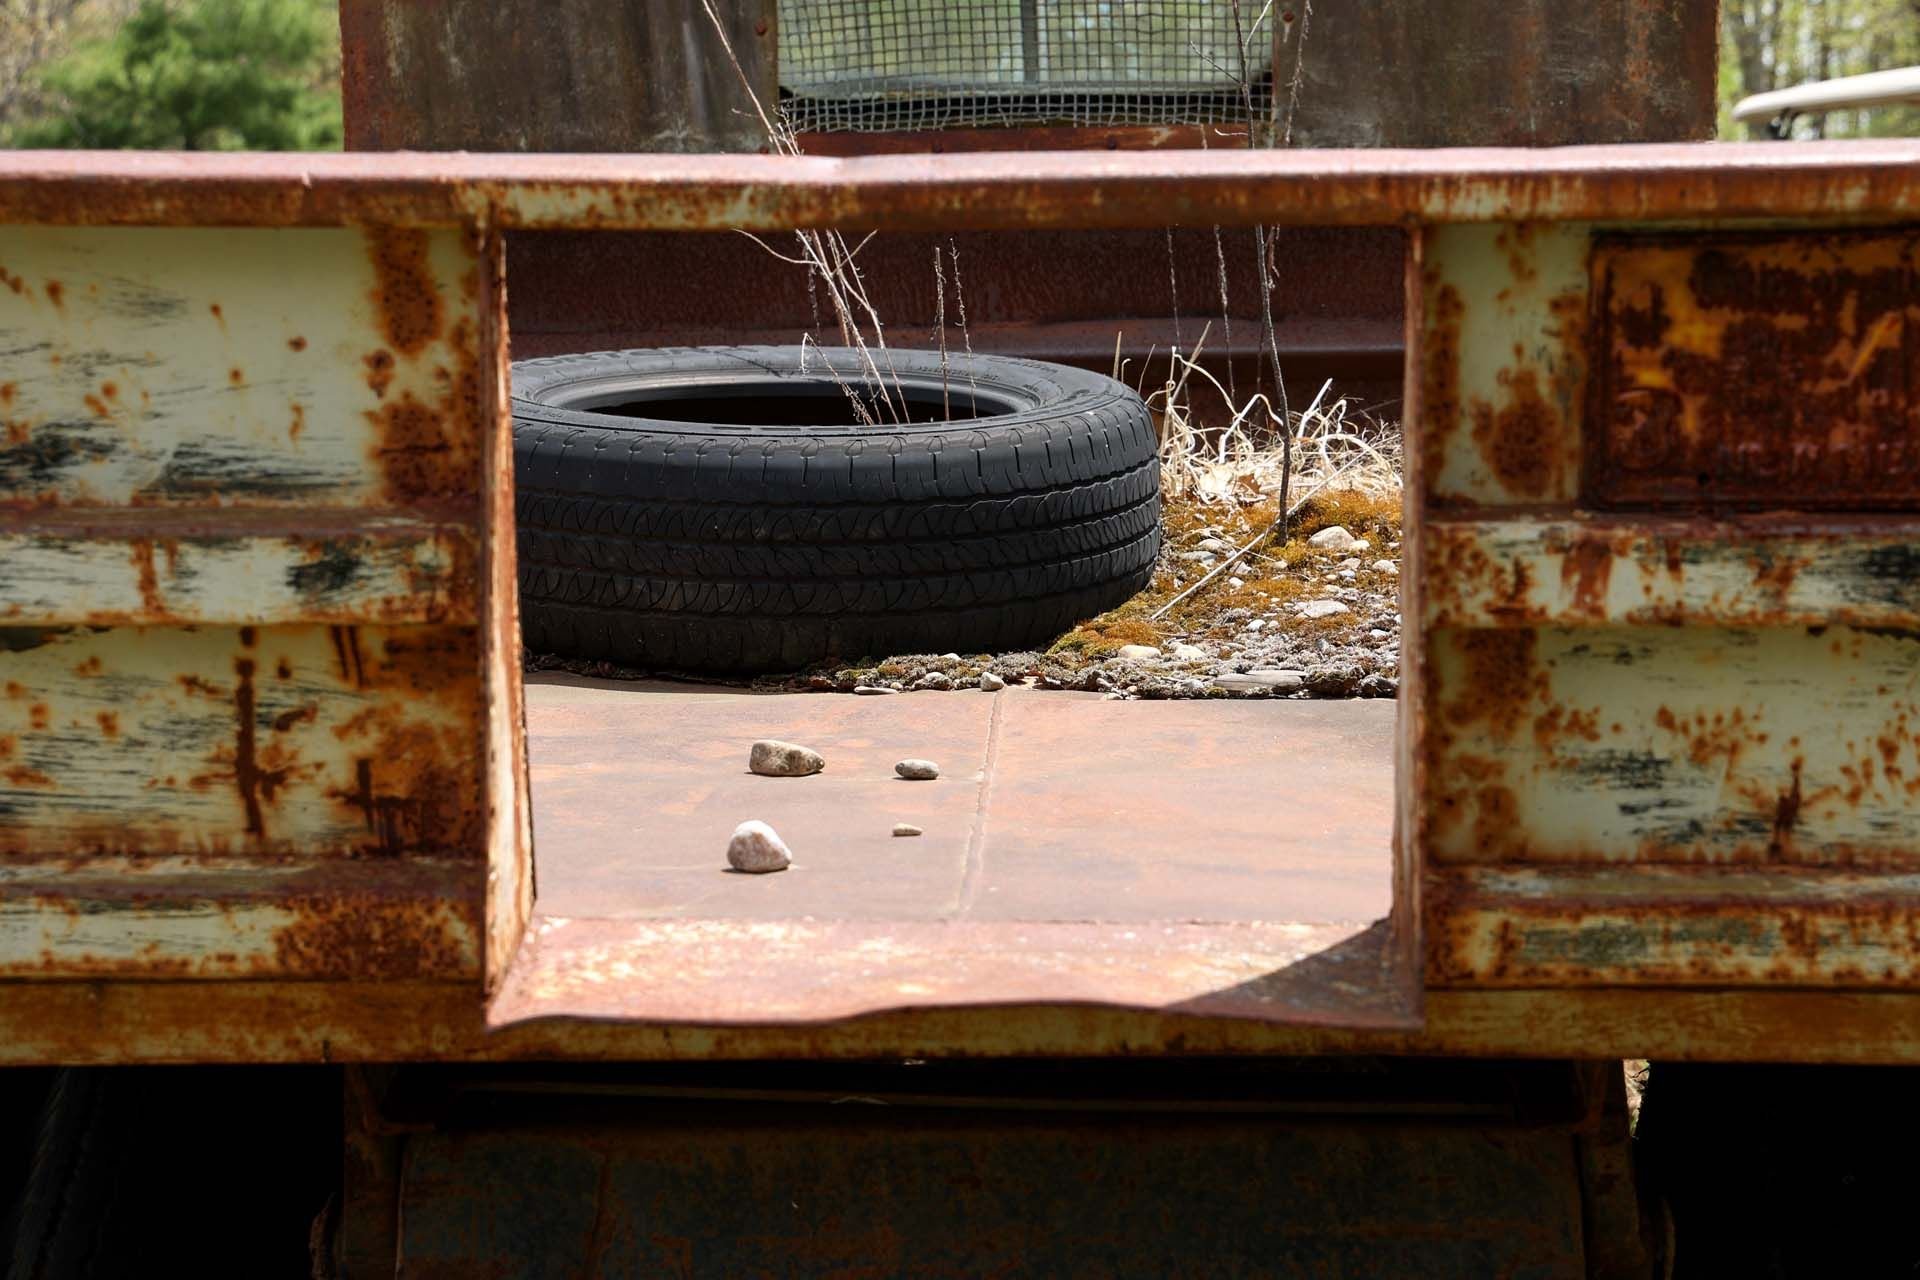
<point x="197" y="75"/>
<point x="1775" y="44"/>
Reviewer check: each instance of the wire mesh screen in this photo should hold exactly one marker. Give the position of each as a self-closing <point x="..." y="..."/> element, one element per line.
<point x="893" y="65"/>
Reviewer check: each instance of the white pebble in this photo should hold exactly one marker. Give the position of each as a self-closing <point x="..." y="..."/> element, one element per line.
<point x="775" y="759"/>
<point x="757" y="848"/>
<point x="1256" y="624"/>
<point x="1333" y="538"/>
<point x="1189" y="652"/>
<point x="1138" y="652"/>
<point x="1385" y="566"/>
<point x="871" y="689"/>
<point x="905" y="829"/>
<point x="917" y="770"/>
<point x="1236" y="582"/>
<point x="1323" y="609"/>
<point x="991" y="682"/>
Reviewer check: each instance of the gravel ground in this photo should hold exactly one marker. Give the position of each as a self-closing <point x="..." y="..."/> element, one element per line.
<point x="1315" y="617"/>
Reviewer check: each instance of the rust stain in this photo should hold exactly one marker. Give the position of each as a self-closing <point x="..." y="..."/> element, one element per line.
<point x="1500" y="680"/>
<point x="1757" y="369"/>
<point x="97" y="406"/>
<point x="150" y="599"/>
<point x="256" y="775"/>
<point x="56" y="293"/>
<point x="25" y="776"/>
<point x="13" y="282"/>
<point x="219" y="315"/>
<point x="352" y="935"/>
<point x="1523" y="441"/>
<point x="1440" y="377"/>
<point x="379" y="371"/>
<point x="90" y="667"/>
<point x="236" y="376"/>
<point x="1585" y="572"/>
<point x="109" y="723"/>
<point x="299" y="715"/>
<point x="296" y="343"/>
<point x="39" y="715"/>
<point x="406" y="296"/>
<point x="298" y="422"/>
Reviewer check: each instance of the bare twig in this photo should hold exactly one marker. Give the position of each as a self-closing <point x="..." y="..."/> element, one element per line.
<point x="940" y="329"/>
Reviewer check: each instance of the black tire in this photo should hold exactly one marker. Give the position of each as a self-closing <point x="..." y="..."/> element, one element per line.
<point x="684" y="545"/>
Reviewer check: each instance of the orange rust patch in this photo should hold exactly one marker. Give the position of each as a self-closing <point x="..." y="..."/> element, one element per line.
<point x="143" y="564"/>
<point x="22" y="775"/>
<point x="356" y="936"/>
<point x="97" y="406"/>
<point x="39" y="716"/>
<point x="8" y="744"/>
<point x="109" y="723"/>
<point x="299" y="715"/>
<point x="426" y="451"/>
<point x="1440" y="375"/>
<point x="110" y="390"/>
<point x="298" y="423"/>
<point x="56" y="293"/>
<point x="218" y="314"/>
<point x="1496" y="823"/>
<point x="296" y="343"/>
<point x="1585" y="572"/>
<point x="405" y="296"/>
<point x="7" y="391"/>
<point x="1500" y="679"/>
<point x="1522" y="441"/>
<point x="13" y="282"/>
<point x="236" y="376"/>
<point x="379" y="371"/>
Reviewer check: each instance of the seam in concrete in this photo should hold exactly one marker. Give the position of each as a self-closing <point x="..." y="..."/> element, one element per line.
<point x="974" y="869"/>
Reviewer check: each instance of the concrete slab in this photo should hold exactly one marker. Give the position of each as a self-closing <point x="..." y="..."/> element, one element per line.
<point x="1215" y="859"/>
<point x="1050" y="806"/>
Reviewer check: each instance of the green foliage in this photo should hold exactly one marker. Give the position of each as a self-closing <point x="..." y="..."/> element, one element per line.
<point x="1776" y="44"/>
<point x="227" y="75"/>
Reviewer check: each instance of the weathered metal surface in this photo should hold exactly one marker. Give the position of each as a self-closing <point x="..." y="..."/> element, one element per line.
<point x="294" y="740"/>
<point x="1754" y="571"/>
<point x="1503" y="374"/>
<point x="844" y="1190"/>
<point x="114" y="571"/>
<point x="1771" y="370"/>
<point x="1532" y="927"/>
<point x="1786" y="746"/>
<point x="162" y="367"/>
<point x="562" y="75"/>
<point x="195" y="918"/>
<point x="1530" y="74"/>
<point x="1833" y="181"/>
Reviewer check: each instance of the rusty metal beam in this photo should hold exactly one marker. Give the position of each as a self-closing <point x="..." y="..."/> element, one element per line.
<point x="1864" y="180"/>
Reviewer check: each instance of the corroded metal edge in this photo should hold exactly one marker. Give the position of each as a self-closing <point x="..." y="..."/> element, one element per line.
<point x="748" y="971"/>
<point x="254" y="1021"/>
<point x="984" y="191"/>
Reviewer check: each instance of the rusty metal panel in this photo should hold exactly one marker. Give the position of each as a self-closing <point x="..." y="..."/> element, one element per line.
<point x="1777" y="746"/>
<point x="1770" y="370"/>
<point x="559" y="75"/>
<point x="104" y="569"/>
<point x="1756" y="571"/>
<point x="1504" y="370"/>
<point x="1512" y="73"/>
<point x="230" y="918"/>
<point x="166" y="367"/>
<point x="1530" y="927"/>
<point x="294" y="740"/>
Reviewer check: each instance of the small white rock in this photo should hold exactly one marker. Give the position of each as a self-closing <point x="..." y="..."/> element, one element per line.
<point x="1378" y="634"/>
<point x="871" y="689"/>
<point x="1211" y="544"/>
<point x="1351" y="562"/>
<point x="1361" y="544"/>
<point x="1236" y="582"/>
<point x="905" y="829"/>
<point x="1323" y="609"/>
<point x="917" y="770"/>
<point x="1386" y="566"/>
<point x="772" y="758"/>
<point x="934" y="680"/>
<point x="1281" y="681"/>
<point x="991" y="682"/>
<point x="1256" y="624"/>
<point x="1333" y="538"/>
<point x="1189" y="652"/>
<point x="950" y="657"/>
<point x="1139" y="652"/>
<point x="757" y="848"/>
